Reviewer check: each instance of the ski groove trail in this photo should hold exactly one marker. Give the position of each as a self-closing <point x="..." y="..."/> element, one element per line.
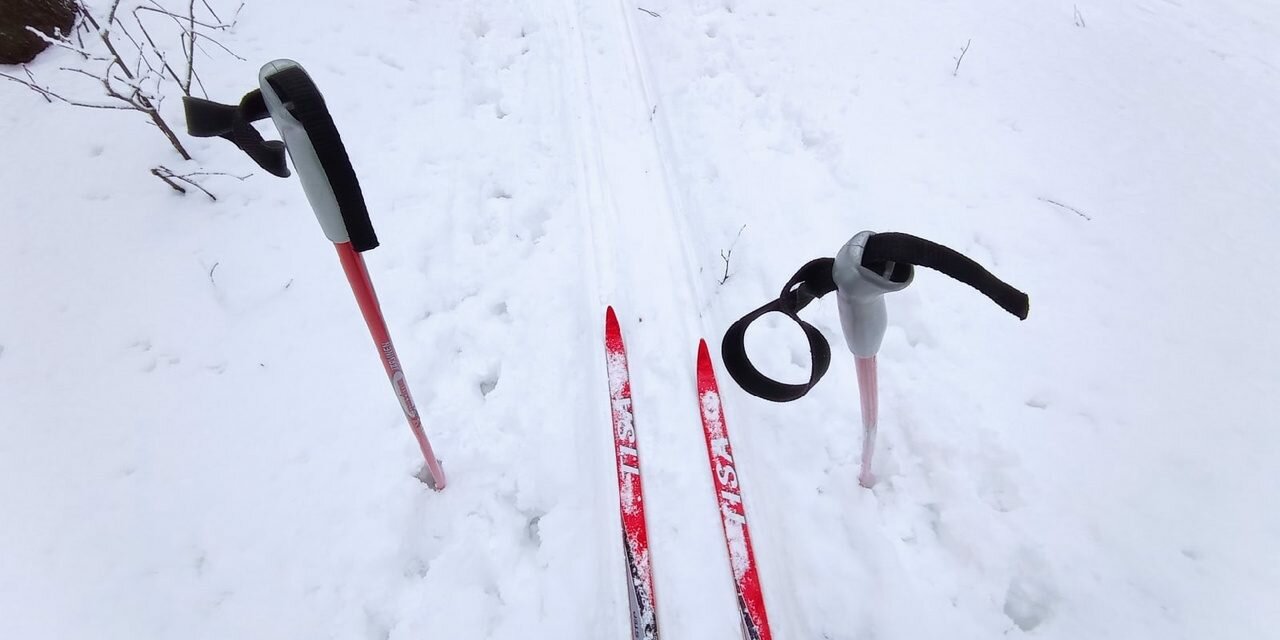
<point x="630" y="210"/>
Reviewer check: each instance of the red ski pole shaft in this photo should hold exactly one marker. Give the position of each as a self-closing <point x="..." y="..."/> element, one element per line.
<point x="358" y="275"/>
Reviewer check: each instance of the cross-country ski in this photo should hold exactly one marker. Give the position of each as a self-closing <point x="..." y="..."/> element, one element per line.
<point x="635" y="534"/>
<point x="733" y="511"/>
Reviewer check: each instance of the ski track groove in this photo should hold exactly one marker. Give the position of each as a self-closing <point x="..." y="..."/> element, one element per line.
<point x="660" y="134"/>
<point x="613" y="164"/>
<point x="596" y="266"/>
<point x="782" y="604"/>
<point x="673" y="228"/>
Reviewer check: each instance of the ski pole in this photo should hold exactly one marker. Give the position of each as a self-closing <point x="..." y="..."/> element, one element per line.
<point x="866" y="268"/>
<point x="287" y="95"/>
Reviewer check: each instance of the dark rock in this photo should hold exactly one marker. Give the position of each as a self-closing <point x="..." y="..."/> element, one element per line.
<point x="17" y="45"/>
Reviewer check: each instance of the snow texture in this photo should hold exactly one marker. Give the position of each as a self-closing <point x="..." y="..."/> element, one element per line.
<point x="197" y="440"/>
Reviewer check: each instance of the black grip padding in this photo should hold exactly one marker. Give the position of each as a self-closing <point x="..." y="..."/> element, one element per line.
<point x="811" y="282"/>
<point x="903" y="247"/>
<point x="206" y="119"/>
<point x="300" y="95"/>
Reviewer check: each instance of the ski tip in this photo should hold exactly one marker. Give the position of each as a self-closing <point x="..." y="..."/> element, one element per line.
<point x="610" y="318"/>
<point x="704" y="354"/>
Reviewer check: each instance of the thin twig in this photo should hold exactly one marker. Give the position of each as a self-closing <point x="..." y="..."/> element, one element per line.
<point x="1067" y="207"/>
<point x="179" y="18"/>
<point x="155" y="171"/>
<point x="726" y="255"/>
<point x="961" y="58"/>
<point x="164" y="61"/>
<point x="220" y="174"/>
<point x="47" y="93"/>
<point x="32" y="77"/>
<point x="206" y="38"/>
<point x="191" y="46"/>
<point x="652" y="13"/>
<point x="169" y="176"/>
<point x="64" y="44"/>
<point x="211" y="11"/>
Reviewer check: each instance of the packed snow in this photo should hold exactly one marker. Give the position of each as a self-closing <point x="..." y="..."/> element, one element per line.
<point x="197" y="439"/>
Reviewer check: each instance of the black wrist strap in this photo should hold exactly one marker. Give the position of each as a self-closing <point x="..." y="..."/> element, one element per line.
<point x="902" y="247"/>
<point x="816" y="279"/>
<point x="206" y="119"/>
<point x="811" y="282"/>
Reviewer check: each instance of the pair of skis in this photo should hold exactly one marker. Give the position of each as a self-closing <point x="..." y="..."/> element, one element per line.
<point x="724" y="476"/>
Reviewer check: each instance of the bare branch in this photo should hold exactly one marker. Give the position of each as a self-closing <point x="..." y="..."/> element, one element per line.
<point x="215" y="13"/>
<point x="726" y="255"/>
<point x="32" y="78"/>
<point x="156" y="171"/>
<point x="169" y="177"/>
<point x="652" y="13"/>
<point x="220" y="174"/>
<point x="111" y="15"/>
<point x="961" y="58"/>
<point x="179" y="18"/>
<point x="172" y="179"/>
<point x="206" y="38"/>
<point x="47" y="93"/>
<point x="134" y="78"/>
<point x="199" y="83"/>
<point x="88" y="17"/>
<point x="65" y="44"/>
<point x="163" y="59"/>
<point x="191" y="46"/>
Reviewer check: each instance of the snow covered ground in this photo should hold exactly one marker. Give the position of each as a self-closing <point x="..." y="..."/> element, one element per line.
<point x="196" y="439"/>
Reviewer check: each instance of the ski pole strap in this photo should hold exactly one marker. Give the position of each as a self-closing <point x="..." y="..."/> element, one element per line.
<point x="811" y="282"/>
<point x="882" y="248"/>
<point x="880" y="255"/>
<point x="206" y="119"/>
<point x="291" y="99"/>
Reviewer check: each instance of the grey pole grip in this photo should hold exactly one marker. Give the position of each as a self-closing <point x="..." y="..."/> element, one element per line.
<point x="311" y="172"/>
<point x="860" y="295"/>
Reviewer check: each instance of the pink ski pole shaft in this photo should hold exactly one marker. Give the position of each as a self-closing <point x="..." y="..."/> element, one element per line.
<point x="353" y="265"/>
<point x="869" y="396"/>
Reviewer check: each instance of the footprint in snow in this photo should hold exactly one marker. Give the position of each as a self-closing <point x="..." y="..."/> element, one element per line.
<point x="1031" y="597"/>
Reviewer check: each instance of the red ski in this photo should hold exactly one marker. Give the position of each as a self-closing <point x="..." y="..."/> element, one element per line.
<point x="733" y="516"/>
<point x="635" y="537"/>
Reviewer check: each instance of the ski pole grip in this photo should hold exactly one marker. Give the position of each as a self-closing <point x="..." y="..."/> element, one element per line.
<point x="298" y="110"/>
<point x="882" y="252"/>
<point x="860" y="293"/>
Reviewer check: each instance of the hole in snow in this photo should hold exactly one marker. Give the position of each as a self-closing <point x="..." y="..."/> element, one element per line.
<point x="488" y="384"/>
<point x="534" y="529"/>
<point x="1028" y="602"/>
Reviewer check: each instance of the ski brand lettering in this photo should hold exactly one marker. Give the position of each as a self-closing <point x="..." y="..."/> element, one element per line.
<point x="629" y="460"/>
<point x="725" y="472"/>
